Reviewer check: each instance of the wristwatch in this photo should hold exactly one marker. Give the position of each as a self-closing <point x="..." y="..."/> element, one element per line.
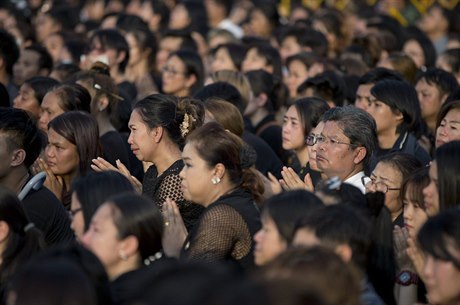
<point x="407" y="278"/>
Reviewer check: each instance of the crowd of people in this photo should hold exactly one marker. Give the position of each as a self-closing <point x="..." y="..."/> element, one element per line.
<point x="229" y="152"/>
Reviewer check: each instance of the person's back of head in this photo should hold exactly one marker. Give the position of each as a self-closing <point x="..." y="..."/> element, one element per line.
<point x="41" y="85"/>
<point x="9" y="50"/>
<point x="224" y="113"/>
<point x="327" y="85"/>
<point x="448" y="166"/>
<point x="378" y="74"/>
<point x="45" y="61"/>
<point x="224" y="91"/>
<point x="444" y="81"/>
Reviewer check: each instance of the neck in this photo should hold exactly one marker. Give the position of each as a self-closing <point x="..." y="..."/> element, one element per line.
<point x="137" y="70"/>
<point x="302" y="155"/>
<point x="387" y="139"/>
<point x="395" y="214"/>
<point x="258" y="116"/>
<point x="435" y="35"/>
<point x="4" y="78"/>
<point x="117" y="76"/>
<point x="16" y="180"/>
<point x="182" y="92"/>
<point x="130" y="264"/>
<point x="431" y="123"/>
<point x="218" y="191"/>
<point x="104" y="124"/>
<point x="166" y="157"/>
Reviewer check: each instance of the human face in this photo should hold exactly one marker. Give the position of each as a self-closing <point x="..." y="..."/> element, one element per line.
<point x="76" y="217"/>
<point x="449" y="129"/>
<point x="305" y="238"/>
<point x="253" y="61"/>
<point x="54" y="44"/>
<point x="392" y="178"/>
<point x="412" y="49"/>
<point x="414" y="214"/>
<point x="337" y="159"/>
<point x="196" y="177"/>
<point x="51" y="108"/>
<point x="363" y="95"/>
<point x="102" y="239"/>
<point x="293" y="132"/>
<point x="313" y="149"/>
<point x="259" y="24"/>
<point x="26" y="101"/>
<point x="141" y="138"/>
<point x="179" y="18"/>
<point x="136" y="54"/>
<point x="174" y="78"/>
<point x="269" y="242"/>
<point x="386" y="120"/>
<point x="45" y="26"/>
<point x="442" y="280"/>
<point x="167" y="46"/>
<point x="430" y="192"/>
<point x="26" y="66"/>
<point x="432" y="20"/>
<point x="61" y="155"/>
<point x="289" y="47"/>
<point x="298" y="73"/>
<point x="222" y="61"/>
<point x="109" y="56"/>
<point x="430" y="99"/>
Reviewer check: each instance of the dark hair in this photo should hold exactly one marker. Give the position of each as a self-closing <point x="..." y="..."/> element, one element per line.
<point x="20" y="132"/>
<point x="41" y="85"/>
<point x="406" y="164"/>
<point x="193" y="65"/>
<point x="379" y="74"/>
<point x="236" y="51"/>
<point x="306" y="58"/>
<point x="339" y="224"/>
<point x="215" y="145"/>
<point x="440" y="236"/>
<point x="73" y="97"/>
<point x="45" y="61"/>
<point x="65" y="72"/>
<point x="310" y="110"/>
<point x="425" y="44"/>
<point x="269" y="9"/>
<point x="165" y="111"/>
<point x="271" y="55"/>
<point x="140" y="217"/>
<point x="64" y="15"/>
<point x="445" y="108"/>
<point x="24" y="239"/>
<point x="226" y="114"/>
<point x="9" y="50"/>
<point x="222" y="90"/>
<point x="80" y="129"/>
<point x="415" y="183"/>
<point x="187" y="41"/>
<point x="452" y="58"/>
<point x="198" y="16"/>
<point x="93" y="189"/>
<point x="161" y="9"/>
<point x="401" y="98"/>
<point x="264" y="82"/>
<point x="112" y="38"/>
<point x="286" y="209"/>
<point x="448" y="163"/>
<point x="444" y="81"/>
<point x="358" y="126"/>
<point x="306" y="37"/>
<point x="327" y="85"/>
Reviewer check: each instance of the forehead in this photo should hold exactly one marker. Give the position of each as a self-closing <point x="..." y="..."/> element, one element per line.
<point x="136" y="118"/>
<point x="104" y="213"/>
<point x="31" y="55"/>
<point x="332" y="128"/>
<point x="292" y="112"/>
<point x="386" y="170"/>
<point x="175" y="61"/>
<point x="365" y="89"/>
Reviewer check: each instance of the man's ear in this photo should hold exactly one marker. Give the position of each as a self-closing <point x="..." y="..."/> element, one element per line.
<point x="191" y="79"/>
<point x="121" y="55"/>
<point x="360" y="154"/>
<point x="17" y="157"/>
<point x="345" y="252"/>
<point x="444" y="98"/>
<point x="261" y="100"/>
<point x="102" y="103"/>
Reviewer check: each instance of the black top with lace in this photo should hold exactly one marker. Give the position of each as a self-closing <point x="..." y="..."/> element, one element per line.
<point x="168" y="184"/>
<point x="225" y="231"/>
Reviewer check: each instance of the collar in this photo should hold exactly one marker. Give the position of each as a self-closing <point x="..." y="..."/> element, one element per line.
<point x="355" y="180"/>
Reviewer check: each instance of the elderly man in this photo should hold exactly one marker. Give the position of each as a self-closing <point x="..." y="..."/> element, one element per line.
<point x="346" y="144"/>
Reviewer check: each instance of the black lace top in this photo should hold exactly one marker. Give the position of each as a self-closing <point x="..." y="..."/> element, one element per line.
<point x="225" y="231"/>
<point x="168" y="185"/>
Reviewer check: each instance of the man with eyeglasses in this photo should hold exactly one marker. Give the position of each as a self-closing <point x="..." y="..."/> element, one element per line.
<point x="346" y="144"/>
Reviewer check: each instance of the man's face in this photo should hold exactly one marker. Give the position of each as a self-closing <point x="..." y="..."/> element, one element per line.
<point x="363" y="95"/>
<point x="26" y="67"/>
<point x="336" y="156"/>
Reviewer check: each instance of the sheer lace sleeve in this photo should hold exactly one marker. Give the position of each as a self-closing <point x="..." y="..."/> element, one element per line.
<point x="221" y="234"/>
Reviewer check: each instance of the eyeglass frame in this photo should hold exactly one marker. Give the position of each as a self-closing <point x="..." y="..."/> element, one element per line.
<point x="72" y="213"/>
<point x="319" y="139"/>
<point x="172" y="72"/>
<point x="372" y="181"/>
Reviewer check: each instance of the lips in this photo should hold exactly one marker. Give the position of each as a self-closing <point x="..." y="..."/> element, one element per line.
<point x="320" y="158"/>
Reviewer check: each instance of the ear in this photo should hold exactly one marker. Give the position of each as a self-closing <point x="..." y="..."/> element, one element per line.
<point x="269" y="69"/>
<point x="18" y="156"/>
<point x="129" y="246"/>
<point x="444" y="98"/>
<point x="4" y="231"/>
<point x="102" y="103"/>
<point x="399" y="116"/>
<point x="219" y="170"/>
<point x="157" y="133"/>
<point x="121" y="56"/>
<point x="191" y="79"/>
<point x="360" y="154"/>
<point x="261" y="100"/>
<point x="344" y="251"/>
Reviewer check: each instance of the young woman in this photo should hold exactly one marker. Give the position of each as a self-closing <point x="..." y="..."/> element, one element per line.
<point x="218" y="176"/>
<point x="229" y="56"/>
<point x="159" y="125"/>
<point x="73" y="142"/>
<point x="183" y="73"/>
<point x="279" y="218"/>
<point x="264" y="57"/>
<point x="448" y="123"/>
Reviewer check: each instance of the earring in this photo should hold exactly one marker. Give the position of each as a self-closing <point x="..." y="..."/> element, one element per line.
<point x="215" y="180"/>
<point x="123" y="255"/>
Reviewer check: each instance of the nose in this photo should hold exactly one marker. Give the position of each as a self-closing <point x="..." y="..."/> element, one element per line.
<point x="257" y="236"/>
<point x="130" y="139"/>
<point x="182" y="174"/>
<point x="85" y="240"/>
<point x="428" y="267"/>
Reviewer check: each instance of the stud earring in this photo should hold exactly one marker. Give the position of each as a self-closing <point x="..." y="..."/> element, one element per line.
<point x="123" y="255"/>
<point x="215" y="180"/>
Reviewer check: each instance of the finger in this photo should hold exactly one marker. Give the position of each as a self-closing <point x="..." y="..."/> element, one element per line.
<point x="123" y="169"/>
<point x="272" y="179"/>
<point x="308" y="183"/>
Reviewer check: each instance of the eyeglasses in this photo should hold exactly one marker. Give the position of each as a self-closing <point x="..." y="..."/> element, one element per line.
<point x="72" y="213"/>
<point x="327" y="141"/>
<point x="372" y="185"/>
<point x="171" y="71"/>
<point x="311" y="140"/>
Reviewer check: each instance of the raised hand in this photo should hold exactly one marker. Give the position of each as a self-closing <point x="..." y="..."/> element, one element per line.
<point x="54" y="183"/>
<point x="175" y="232"/>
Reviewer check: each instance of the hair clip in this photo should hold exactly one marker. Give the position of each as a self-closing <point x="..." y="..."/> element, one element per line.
<point x="116" y="96"/>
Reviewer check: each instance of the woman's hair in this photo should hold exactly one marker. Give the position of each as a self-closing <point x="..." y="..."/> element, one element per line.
<point x="24" y="239"/>
<point x="445" y="108"/>
<point x="452" y="58"/>
<point x="198" y="16"/>
<point x="193" y="65"/>
<point x="145" y="40"/>
<point x="93" y="189"/>
<point x="138" y="216"/>
<point x="215" y="145"/>
<point x="269" y="9"/>
<point x="80" y="129"/>
<point x="403" y="64"/>
<point x="287" y="208"/>
<point x="113" y="39"/>
<point x="237" y="80"/>
<point x="264" y="82"/>
<point x="306" y="58"/>
<point x="440" y="236"/>
<point x="414" y="184"/>
<point x="425" y="44"/>
<point x="41" y="85"/>
<point x="448" y="164"/>
<point x="310" y="110"/>
<point x="404" y="163"/>
<point x="236" y="51"/>
<point x="226" y="114"/>
<point x="401" y="98"/>
<point x="177" y="117"/>
<point x="271" y="55"/>
<point x="73" y="97"/>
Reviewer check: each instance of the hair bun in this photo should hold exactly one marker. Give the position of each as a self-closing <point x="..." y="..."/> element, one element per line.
<point x="248" y="156"/>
